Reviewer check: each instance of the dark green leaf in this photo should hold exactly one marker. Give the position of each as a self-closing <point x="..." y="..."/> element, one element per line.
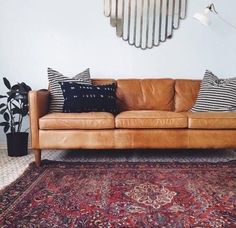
<point x="15" y="105"/>
<point x="21" y="88"/>
<point x="19" y="96"/>
<point x="6" y="116"/>
<point x="3" y="124"/>
<point x="24" y="88"/>
<point x="2" y="105"/>
<point x="11" y="96"/>
<point x="28" y="88"/>
<point x="15" y="87"/>
<point x="17" y="111"/>
<point x="7" y="83"/>
<point x="2" y="96"/>
<point x="9" y="93"/>
<point x="2" y="111"/>
<point x="13" y="130"/>
<point x="25" y="110"/>
<point x="6" y="128"/>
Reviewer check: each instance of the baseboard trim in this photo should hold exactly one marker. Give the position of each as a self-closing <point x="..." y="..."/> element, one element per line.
<point x="3" y="143"/>
<point x="4" y="146"/>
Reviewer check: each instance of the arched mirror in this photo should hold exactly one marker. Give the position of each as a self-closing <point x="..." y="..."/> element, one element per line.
<point x="145" y="23"/>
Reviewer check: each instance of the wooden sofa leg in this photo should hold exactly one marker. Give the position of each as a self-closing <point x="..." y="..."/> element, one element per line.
<point x="37" y="155"/>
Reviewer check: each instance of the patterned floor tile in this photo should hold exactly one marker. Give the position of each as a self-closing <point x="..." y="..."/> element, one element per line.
<point x="12" y="167"/>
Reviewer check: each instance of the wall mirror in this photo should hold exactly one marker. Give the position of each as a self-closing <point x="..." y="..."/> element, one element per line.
<point x="145" y="23"/>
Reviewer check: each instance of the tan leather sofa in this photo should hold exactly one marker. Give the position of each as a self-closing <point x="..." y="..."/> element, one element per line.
<point x="154" y="114"/>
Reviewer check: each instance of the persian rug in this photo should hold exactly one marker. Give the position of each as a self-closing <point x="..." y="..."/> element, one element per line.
<point x="60" y="194"/>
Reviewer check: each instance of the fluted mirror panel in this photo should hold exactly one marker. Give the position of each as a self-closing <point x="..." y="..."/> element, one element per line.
<point x="145" y="23"/>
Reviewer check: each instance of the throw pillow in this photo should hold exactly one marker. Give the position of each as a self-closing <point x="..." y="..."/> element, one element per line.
<point x="216" y="95"/>
<point x="54" y="77"/>
<point x="89" y="98"/>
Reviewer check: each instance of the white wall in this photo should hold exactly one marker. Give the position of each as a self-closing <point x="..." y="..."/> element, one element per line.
<point x="70" y="35"/>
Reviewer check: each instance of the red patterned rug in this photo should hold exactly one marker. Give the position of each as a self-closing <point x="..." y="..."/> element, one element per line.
<point x="60" y="194"/>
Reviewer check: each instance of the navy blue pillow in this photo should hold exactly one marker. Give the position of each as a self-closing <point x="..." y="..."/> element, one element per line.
<point x="89" y="98"/>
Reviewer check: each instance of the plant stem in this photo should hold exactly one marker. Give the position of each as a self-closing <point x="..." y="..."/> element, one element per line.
<point x="12" y="127"/>
<point x="12" y="118"/>
<point x="20" y="118"/>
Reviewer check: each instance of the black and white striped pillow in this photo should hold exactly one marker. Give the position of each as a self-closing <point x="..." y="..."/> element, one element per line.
<point x="216" y="95"/>
<point x="54" y="77"/>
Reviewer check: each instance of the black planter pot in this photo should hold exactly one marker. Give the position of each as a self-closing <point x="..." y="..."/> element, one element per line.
<point x="17" y="144"/>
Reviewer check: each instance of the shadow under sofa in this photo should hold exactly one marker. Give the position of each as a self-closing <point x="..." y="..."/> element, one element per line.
<point x="154" y="115"/>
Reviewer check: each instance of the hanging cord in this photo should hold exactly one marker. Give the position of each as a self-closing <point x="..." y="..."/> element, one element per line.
<point x="212" y="8"/>
<point x="226" y="22"/>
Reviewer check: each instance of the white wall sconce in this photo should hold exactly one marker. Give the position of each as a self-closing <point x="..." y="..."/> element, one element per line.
<point x="204" y="17"/>
<point x="145" y="23"/>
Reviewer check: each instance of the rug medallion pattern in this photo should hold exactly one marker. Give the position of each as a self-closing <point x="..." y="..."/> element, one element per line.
<point x="60" y="194"/>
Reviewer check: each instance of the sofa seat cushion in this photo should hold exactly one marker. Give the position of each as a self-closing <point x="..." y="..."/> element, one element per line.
<point x="150" y="119"/>
<point x="212" y="120"/>
<point x="69" y="121"/>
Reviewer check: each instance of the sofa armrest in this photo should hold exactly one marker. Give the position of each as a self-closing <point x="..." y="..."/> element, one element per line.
<point x="38" y="107"/>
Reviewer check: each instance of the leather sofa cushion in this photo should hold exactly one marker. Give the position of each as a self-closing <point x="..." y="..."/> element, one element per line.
<point x="146" y="94"/>
<point x="103" y="81"/>
<point x="212" y="120"/>
<point x="150" y="119"/>
<point x="66" y="121"/>
<point x="186" y="92"/>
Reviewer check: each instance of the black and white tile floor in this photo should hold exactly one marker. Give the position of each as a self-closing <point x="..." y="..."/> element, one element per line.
<point x="12" y="167"/>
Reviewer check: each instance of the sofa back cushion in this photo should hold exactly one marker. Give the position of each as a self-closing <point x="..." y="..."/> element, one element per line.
<point x="103" y="81"/>
<point x="145" y="94"/>
<point x="186" y="92"/>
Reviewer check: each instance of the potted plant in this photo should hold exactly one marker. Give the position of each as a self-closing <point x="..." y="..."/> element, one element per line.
<point x="13" y="110"/>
